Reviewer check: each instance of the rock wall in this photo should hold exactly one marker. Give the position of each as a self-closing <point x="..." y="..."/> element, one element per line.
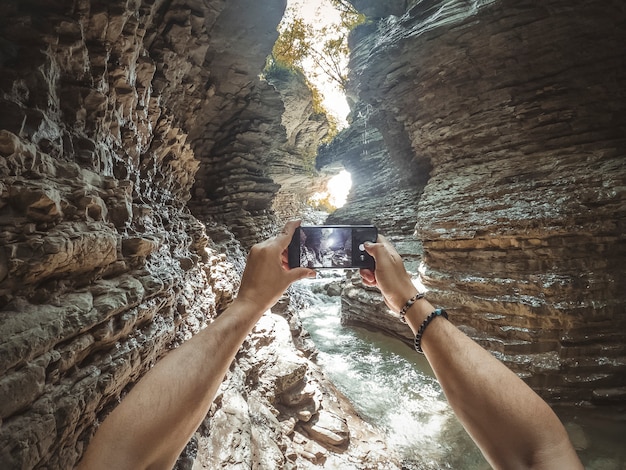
<point x="518" y="111"/>
<point x="293" y="162"/>
<point x="251" y="135"/>
<point x="382" y="194"/>
<point x="99" y="277"/>
<point x="117" y="116"/>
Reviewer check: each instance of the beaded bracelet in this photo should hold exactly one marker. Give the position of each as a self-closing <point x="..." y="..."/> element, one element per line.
<point x="418" y="337"/>
<point x="408" y="304"/>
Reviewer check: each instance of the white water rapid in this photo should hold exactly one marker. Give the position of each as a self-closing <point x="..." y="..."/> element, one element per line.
<point x="393" y="388"/>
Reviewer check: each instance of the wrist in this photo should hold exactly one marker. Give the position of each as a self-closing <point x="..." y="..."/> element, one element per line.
<point x="409" y="303"/>
<point x="417" y="313"/>
<point x="399" y="297"/>
<point x="438" y="312"/>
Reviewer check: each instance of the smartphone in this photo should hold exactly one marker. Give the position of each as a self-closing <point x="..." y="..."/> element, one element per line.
<point x="332" y="246"/>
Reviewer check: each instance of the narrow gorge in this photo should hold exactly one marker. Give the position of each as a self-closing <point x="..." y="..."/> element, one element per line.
<point x="143" y="152"/>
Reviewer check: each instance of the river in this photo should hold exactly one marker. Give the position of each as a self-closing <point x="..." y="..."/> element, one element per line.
<point x="394" y="388"/>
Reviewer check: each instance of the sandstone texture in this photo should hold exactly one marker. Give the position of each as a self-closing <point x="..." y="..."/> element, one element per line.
<point x="516" y="112"/>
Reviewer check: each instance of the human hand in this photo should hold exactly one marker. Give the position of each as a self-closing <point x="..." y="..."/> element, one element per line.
<point x="267" y="274"/>
<point x="390" y="276"/>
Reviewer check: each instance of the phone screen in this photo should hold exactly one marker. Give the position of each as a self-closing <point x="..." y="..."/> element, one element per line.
<point x="338" y="247"/>
<point x="326" y="247"/>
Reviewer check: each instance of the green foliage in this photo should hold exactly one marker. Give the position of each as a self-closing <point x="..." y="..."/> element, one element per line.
<point x="350" y="17"/>
<point x="301" y="44"/>
<point x="293" y="44"/>
<point x="326" y="47"/>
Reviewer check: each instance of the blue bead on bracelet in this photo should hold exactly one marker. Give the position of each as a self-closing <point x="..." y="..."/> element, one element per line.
<point x="439" y="312"/>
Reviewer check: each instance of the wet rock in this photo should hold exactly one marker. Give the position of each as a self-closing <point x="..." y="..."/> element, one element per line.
<point x="10" y="144"/>
<point x="334" y="288"/>
<point x="20" y="389"/>
<point x="365" y="307"/>
<point x="298" y="395"/>
<point x="604" y="464"/>
<point x="38" y="204"/>
<point x="328" y="428"/>
<point x="577" y="435"/>
<point x="103" y="267"/>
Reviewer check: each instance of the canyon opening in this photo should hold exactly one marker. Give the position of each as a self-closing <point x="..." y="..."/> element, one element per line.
<point x="147" y="146"/>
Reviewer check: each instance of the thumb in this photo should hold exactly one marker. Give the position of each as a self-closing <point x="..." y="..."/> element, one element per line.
<point x="295" y="274"/>
<point x="372" y="248"/>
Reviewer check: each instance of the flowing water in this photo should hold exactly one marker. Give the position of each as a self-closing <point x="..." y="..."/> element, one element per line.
<point x="393" y="388"/>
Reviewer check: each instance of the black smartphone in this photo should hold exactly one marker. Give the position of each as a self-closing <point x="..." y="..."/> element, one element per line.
<point x="332" y="246"/>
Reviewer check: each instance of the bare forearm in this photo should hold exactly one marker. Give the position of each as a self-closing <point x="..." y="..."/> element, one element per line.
<point x="154" y="422"/>
<point x="511" y="424"/>
<point x="165" y="408"/>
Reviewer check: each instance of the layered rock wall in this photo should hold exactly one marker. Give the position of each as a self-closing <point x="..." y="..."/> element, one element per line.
<point x="109" y="111"/>
<point x="382" y="194"/>
<point x="518" y="110"/>
<point x="100" y="258"/>
<point x="246" y="141"/>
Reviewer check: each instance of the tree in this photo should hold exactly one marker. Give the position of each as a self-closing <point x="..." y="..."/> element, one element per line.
<point x="294" y="44"/>
<point x="326" y="48"/>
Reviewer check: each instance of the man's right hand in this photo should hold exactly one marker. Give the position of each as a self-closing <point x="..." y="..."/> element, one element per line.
<point x="390" y="276"/>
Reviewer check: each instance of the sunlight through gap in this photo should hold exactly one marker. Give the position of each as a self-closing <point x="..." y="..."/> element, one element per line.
<point x="337" y="190"/>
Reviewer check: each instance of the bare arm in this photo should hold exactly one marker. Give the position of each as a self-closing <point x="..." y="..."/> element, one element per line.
<point x="155" y="421"/>
<point x="513" y="427"/>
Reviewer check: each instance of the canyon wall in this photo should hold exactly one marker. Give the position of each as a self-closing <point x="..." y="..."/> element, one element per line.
<point x="140" y="155"/>
<point x="516" y="110"/>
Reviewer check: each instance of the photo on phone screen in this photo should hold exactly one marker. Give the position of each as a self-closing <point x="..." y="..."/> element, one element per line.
<point x="328" y="247"/>
<point x="337" y="247"/>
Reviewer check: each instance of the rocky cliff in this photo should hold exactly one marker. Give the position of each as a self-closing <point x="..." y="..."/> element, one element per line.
<point x="122" y="125"/>
<point x="141" y="155"/>
<point x="516" y="111"/>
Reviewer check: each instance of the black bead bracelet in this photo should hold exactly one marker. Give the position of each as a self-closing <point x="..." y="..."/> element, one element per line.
<point x="408" y="304"/>
<point x="418" y="337"/>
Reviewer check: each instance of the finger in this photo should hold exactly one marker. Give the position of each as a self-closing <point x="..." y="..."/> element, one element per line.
<point x="369" y="283"/>
<point x="286" y="234"/>
<point x="383" y="242"/>
<point x="382" y="248"/>
<point x="372" y="248"/>
<point x="369" y="278"/>
<point x="295" y="274"/>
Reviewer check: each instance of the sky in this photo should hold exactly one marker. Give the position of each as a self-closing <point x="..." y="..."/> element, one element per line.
<point x="320" y="13"/>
